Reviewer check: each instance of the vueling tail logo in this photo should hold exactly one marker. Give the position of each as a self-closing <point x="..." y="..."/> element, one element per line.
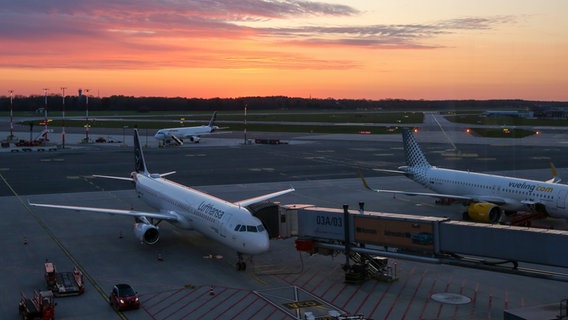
<point x="414" y="156"/>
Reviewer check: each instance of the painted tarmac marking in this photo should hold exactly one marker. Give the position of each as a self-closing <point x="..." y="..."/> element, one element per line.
<point x="199" y="306"/>
<point x="402" y="288"/>
<point x="450" y="280"/>
<point x="339" y="293"/>
<point x="205" y="293"/>
<point x="230" y="307"/>
<point x="411" y="300"/>
<point x="474" y="301"/>
<point x="237" y="315"/>
<point x="380" y="301"/>
<point x="428" y="298"/>
<point x="355" y="292"/>
<point x="165" y="298"/>
<point x="364" y="302"/>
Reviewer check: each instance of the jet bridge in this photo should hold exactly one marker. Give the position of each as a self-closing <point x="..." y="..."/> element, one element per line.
<point x="511" y="249"/>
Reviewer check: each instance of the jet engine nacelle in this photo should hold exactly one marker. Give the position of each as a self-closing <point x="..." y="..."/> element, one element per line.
<point x="146" y="233"/>
<point x="194" y="139"/>
<point x="484" y="212"/>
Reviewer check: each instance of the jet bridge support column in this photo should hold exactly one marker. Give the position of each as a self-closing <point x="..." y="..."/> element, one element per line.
<point x="346" y="235"/>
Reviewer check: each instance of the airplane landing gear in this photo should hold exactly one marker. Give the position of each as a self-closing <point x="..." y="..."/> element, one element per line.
<point x="241" y="265"/>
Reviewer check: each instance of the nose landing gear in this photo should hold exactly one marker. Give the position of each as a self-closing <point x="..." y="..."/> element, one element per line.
<point x="241" y="265"/>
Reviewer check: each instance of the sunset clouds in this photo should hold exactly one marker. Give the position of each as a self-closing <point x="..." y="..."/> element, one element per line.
<point x="278" y="41"/>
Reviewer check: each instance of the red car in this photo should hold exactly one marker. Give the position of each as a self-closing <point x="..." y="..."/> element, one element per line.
<point x="123" y="297"/>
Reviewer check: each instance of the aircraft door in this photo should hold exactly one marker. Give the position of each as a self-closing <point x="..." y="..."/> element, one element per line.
<point x="561" y="202"/>
<point x="225" y="225"/>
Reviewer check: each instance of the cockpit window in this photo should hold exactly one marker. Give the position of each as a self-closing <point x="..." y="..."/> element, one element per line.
<point x="243" y="228"/>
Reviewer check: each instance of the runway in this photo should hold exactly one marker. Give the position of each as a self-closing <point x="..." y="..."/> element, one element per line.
<point x="323" y="169"/>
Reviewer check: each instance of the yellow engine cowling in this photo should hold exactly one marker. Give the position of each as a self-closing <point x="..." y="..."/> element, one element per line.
<point x="484" y="212"/>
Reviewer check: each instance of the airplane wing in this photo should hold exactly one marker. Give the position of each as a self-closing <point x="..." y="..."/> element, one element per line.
<point x="250" y="201"/>
<point x="132" y="213"/>
<point x="113" y="177"/>
<point x="473" y="198"/>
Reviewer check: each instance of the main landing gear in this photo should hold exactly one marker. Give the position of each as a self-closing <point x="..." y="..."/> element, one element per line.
<point x="241" y="265"/>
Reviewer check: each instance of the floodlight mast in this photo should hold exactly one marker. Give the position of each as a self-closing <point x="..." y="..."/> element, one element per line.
<point x="63" y="117"/>
<point x="87" y="116"/>
<point x="11" y="114"/>
<point x="45" y="112"/>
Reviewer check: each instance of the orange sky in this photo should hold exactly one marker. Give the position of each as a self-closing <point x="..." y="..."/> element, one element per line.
<point x="409" y="49"/>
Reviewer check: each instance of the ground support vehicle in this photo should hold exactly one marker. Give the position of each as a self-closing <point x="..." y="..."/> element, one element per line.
<point x="64" y="283"/>
<point x="40" y="307"/>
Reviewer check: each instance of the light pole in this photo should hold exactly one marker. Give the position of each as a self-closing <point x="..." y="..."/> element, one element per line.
<point x="45" y="113"/>
<point x="87" y="117"/>
<point x="11" y="107"/>
<point x="245" y="130"/>
<point x="63" y="117"/>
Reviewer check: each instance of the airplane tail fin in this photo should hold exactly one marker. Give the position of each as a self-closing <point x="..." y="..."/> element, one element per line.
<point x="212" y="121"/>
<point x="139" y="163"/>
<point x="412" y="152"/>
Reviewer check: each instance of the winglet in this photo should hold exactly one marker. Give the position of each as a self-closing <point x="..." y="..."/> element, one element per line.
<point x="365" y="184"/>
<point x="555" y="178"/>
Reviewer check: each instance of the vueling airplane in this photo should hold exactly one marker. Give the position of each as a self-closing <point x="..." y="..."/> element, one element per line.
<point x="192" y="133"/>
<point x="487" y="196"/>
<point x="232" y="224"/>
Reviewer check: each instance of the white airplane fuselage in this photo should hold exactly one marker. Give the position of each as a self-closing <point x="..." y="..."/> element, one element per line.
<point x="182" y="132"/>
<point x="215" y="218"/>
<point x="486" y="187"/>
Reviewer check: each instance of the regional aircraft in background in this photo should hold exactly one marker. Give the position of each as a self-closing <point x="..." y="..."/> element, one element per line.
<point x="192" y="133"/>
<point x="487" y="196"/>
<point x="229" y="223"/>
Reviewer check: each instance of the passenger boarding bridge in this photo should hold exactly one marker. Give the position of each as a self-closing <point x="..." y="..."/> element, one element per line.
<point x="372" y="235"/>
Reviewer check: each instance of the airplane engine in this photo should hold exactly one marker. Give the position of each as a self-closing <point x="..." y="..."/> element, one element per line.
<point x="194" y="139"/>
<point x="146" y="233"/>
<point x="484" y="212"/>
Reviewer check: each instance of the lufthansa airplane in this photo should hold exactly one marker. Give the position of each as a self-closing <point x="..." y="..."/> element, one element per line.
<point x="487" y="196"/>
<point x="230" y="223"/>
<point x="192" y="133"/>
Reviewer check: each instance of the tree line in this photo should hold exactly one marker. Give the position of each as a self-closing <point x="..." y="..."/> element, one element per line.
<point x="146" y="104"/>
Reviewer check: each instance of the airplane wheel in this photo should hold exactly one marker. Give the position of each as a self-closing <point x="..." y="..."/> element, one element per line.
<point x="241" y="266"/>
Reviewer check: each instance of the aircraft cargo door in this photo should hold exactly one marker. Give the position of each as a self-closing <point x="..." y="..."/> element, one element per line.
<point x="561" y="202"/>
<point x="225" y="225"/>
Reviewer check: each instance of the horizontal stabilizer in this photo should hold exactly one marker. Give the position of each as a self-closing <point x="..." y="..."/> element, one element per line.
<point x="390" y="171"/>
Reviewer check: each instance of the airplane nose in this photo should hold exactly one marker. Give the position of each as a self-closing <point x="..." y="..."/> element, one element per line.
<point x="260" y="244"/>
<point x="159" y="135"/>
